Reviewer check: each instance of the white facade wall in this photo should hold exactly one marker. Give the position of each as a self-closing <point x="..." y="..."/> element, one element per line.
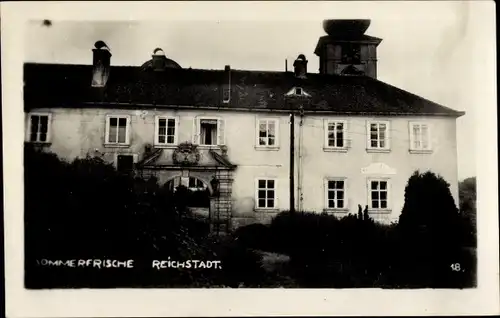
<point x="76" y="132"/>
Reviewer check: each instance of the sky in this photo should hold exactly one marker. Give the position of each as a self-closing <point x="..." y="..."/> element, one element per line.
<point x="430" y="49"/>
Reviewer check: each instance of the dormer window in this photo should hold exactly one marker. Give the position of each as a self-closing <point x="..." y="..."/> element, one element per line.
<point x="297" y="91"/>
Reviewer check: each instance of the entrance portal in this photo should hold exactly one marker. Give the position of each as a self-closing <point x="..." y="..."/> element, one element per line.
<point x="197" y="192"/>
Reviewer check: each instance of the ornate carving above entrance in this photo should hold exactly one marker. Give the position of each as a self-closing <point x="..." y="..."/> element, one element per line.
<point x="186" y="154"/>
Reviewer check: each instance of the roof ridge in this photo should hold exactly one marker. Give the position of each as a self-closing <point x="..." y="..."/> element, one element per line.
<point x="253" y="89"/>
<point x="188" y="69"/>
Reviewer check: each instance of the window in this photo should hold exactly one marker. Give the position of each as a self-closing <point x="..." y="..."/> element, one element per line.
<point x="378" y="135"/>
<point x="420" y="137"/>
<point x="351" y="53"/>
<point x="195" y="184"/>
<point x="166" y="131"/>
<point x="297" y="91"/>
<point x="266" y="194"/>
<point x="38" y="128"/>
<point x="208" y="129"/>
<point x="379" y="194"/>
<point x="335" y="134"/>
<point x="209" y="132"/>
<point x="335" y="194"/>
<point x="267" y="133"/>
<point x="125" y="163"/>
<point x="117" y="130"/>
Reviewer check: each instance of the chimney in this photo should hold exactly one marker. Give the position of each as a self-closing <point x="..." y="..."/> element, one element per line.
<point x="101" y="64"/>
<point x="226" y="87"/>
<point x="159" y="60"/>
<point x="300" y="66"/>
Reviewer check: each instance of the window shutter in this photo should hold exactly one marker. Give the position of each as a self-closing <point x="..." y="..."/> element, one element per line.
<point x="49" y="127"/>
<point x="176" y="132"/>
<point x="325" y="132"/>
<point x="389" y="194"/>
<point x="257" y="131"/>
<point x="106" y="131"/>
<point x="388" y="134"/>
<point x="412" y="137"/>
<point x="346" y="195"/>
<point x="157" y="127"/>
<point x="28" y="127"/>
<point x="347" y="128"/>
<point x="196" y="131"/>
<point x="128" y="130"/>
<point x="369" y="193"/>
<point x="367" y="137"/>
<point x="256" y="193"/>
<point x="429" y="137"/>
<point x="276" y="199"/>
<point x="325" y="193"/>
<point x="220" y="134"/>
<point x="277" y="132"/>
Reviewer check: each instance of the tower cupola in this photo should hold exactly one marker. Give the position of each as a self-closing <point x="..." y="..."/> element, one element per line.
<point x="346" y="49"/>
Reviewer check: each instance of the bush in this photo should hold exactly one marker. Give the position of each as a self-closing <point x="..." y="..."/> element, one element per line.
<point x="330" y="252"/>
<point x="254" y="236"/>
<point x="241" y="266"/>
<point x="467" y="196"/>
<point x="430" y="235"/>
<point x="87" y="210"/>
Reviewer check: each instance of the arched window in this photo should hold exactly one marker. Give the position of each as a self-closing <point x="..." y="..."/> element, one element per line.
<point x="192" y="183"/>
<point x="198" y="193"/>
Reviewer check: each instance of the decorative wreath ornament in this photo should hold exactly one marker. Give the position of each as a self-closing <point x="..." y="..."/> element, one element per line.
<point x="186" y="154"/>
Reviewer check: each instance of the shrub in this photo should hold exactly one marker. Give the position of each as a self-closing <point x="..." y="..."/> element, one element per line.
<point x="330" y="252"/>
<point x="429" y="234"/>
<point x="467" y="196"/>
<point x="86" y="209"/>
<point x="241" y="266"/>
<point x="254" y="236"/>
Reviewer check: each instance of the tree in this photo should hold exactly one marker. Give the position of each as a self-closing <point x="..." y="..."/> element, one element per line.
<point x="467" y="196"/>
<point x="86" y="209"/>
<point x="429" y="232"/>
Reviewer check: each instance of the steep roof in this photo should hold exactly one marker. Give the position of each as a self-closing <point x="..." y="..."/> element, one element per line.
<point x="65" y="85"/>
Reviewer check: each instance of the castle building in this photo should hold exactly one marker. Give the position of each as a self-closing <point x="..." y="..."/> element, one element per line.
<point x="357" y="140"/>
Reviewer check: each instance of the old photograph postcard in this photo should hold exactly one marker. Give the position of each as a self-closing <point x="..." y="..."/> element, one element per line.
<point x="240" y="158"/>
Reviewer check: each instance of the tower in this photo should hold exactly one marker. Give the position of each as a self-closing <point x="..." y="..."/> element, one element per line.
<point x="347" y="50"/>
